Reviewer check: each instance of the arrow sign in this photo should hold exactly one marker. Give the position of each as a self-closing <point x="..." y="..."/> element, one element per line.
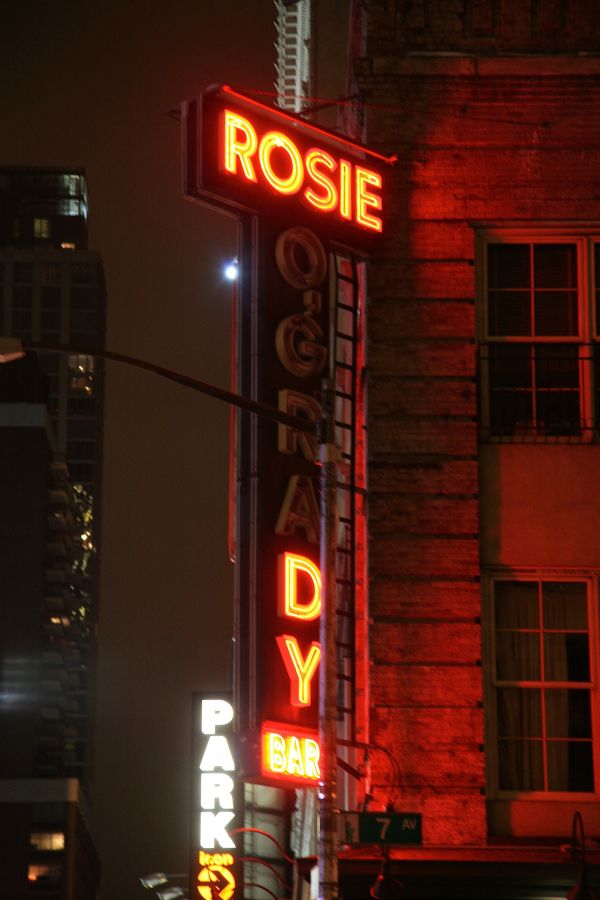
<point x="216" y="882"/>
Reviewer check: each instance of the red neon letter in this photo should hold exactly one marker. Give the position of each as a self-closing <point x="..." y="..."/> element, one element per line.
<point x="243" y="149"/>
<point x="275" y="140"/>
<point x="290" y="565"/>
<point x="327" y="201"/>
<point x="365" y="199"/>
<point x="301" y="671"/>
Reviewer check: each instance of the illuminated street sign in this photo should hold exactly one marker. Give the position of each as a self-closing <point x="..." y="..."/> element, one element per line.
<point x="309" y="203"/>
<point x="214" y="853"/>
<point x="249" y="155"/>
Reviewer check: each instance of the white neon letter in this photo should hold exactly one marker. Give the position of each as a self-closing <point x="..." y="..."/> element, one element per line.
<point x="216" y="788"/>
<point x="213" y="829"/>
<point x="217" y="755"/>
<point x="215" y="712"/>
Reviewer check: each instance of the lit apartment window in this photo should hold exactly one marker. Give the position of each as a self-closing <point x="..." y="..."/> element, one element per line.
<point x="81" y="373"/>
<point x="45" y="874"/>
<point x="542" y="686"/>
<point x="47" y="840"/>
<point x="41" y="228"/>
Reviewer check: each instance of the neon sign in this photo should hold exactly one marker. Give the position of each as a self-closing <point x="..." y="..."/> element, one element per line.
<point x="274" y="160"/>
<point x="247" y="155"/>
<point x="269" y="168"/>
<point x="214" y="859"/>
<point x="290" y="754"/>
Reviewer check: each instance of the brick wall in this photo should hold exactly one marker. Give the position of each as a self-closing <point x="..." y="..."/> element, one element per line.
<point x="479" y="140"/>
<point x="484" y="26"/>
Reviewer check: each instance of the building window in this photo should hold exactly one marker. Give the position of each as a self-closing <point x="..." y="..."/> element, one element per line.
<point x="47" y="840"/>
<point x="535" y="353"/>
<point x="50" y="273"/>
<point x="542" y="682"/>
<point x="44" y="874"/>
<point x="41" y="228"/>
<point x="81" y="373"/>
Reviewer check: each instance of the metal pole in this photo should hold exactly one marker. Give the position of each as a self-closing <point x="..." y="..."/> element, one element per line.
<point x="328" y="861"/>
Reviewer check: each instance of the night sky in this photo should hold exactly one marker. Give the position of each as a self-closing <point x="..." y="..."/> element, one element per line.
<point x="92" y="85"/>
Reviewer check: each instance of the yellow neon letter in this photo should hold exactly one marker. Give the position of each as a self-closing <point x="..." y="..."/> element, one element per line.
<point x="328" y="200"/>
<point x="311" y="759"/>
<point x="290" y="565"/>
<point x="301" y="671"/>
<point x="271" y="141"/>
<point x="365" y="199"/>
<point x="294" y="757"/>
<point x="234" y="149"/>
<point x="274" y="751"/>
<point x="345" y="201"/>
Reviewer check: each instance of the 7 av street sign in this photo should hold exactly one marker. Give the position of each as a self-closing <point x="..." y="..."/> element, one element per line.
<point x="380" y="828"/>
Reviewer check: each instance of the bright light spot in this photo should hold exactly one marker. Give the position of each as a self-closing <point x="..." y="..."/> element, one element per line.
<point x="232" y="270"/>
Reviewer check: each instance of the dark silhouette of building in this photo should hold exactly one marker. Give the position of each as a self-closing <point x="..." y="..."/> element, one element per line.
<point x="51" y="417"/>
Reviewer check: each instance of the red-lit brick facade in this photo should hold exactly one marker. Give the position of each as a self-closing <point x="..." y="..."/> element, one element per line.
<point x="493" y="109"/>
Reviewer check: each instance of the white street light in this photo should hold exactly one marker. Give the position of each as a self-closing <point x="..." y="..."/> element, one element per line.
<point x="231" y="270"/>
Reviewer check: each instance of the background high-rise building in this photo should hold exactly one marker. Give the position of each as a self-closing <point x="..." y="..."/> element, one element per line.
<point x="52" y="291"/>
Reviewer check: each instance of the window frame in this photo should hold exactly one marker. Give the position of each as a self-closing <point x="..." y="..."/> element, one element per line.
<point x="584" y="236"/>
<point x="489" y="579"/>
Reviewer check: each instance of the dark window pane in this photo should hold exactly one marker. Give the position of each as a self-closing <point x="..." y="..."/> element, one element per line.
<point x="555" y="313"/>
<point x="555" y="265"/>
<point x="81" y="450"/>
<point x="82" y="428"/>
<point x="519" y="712"/>
<point x="21" y="322"/>
<point x="511" y="413"/>
<point x="50" y="273"/>
<point x="508" y="266"/>
<point x="558" y="413"/>
<point x="568" y="713"/>
<point x="50" y="321"/>
<point x="85" y="273"/>
<point x="50" y="297"/>
<point x="517" y="656"/>
<point x="566" y="657"/>
<point x="22" y="272"/>
<point x="510" y="365"/>
<point x="85" y="297"/>
<point x="520" y="766"/>
<point x="557" y="398"/>
<point x="22" y="297"/>
<point x="564" y="605"/>
<point x="81" y="406"/>
<point x="509" y="312"/>
<point x="570" y="766"/>
<point x="556" y="365"/>
<point x="516" y="604"/>
<point x="82" y="321"/>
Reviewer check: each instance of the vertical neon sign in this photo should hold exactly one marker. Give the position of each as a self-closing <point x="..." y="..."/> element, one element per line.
<point x="215" y="855"/>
